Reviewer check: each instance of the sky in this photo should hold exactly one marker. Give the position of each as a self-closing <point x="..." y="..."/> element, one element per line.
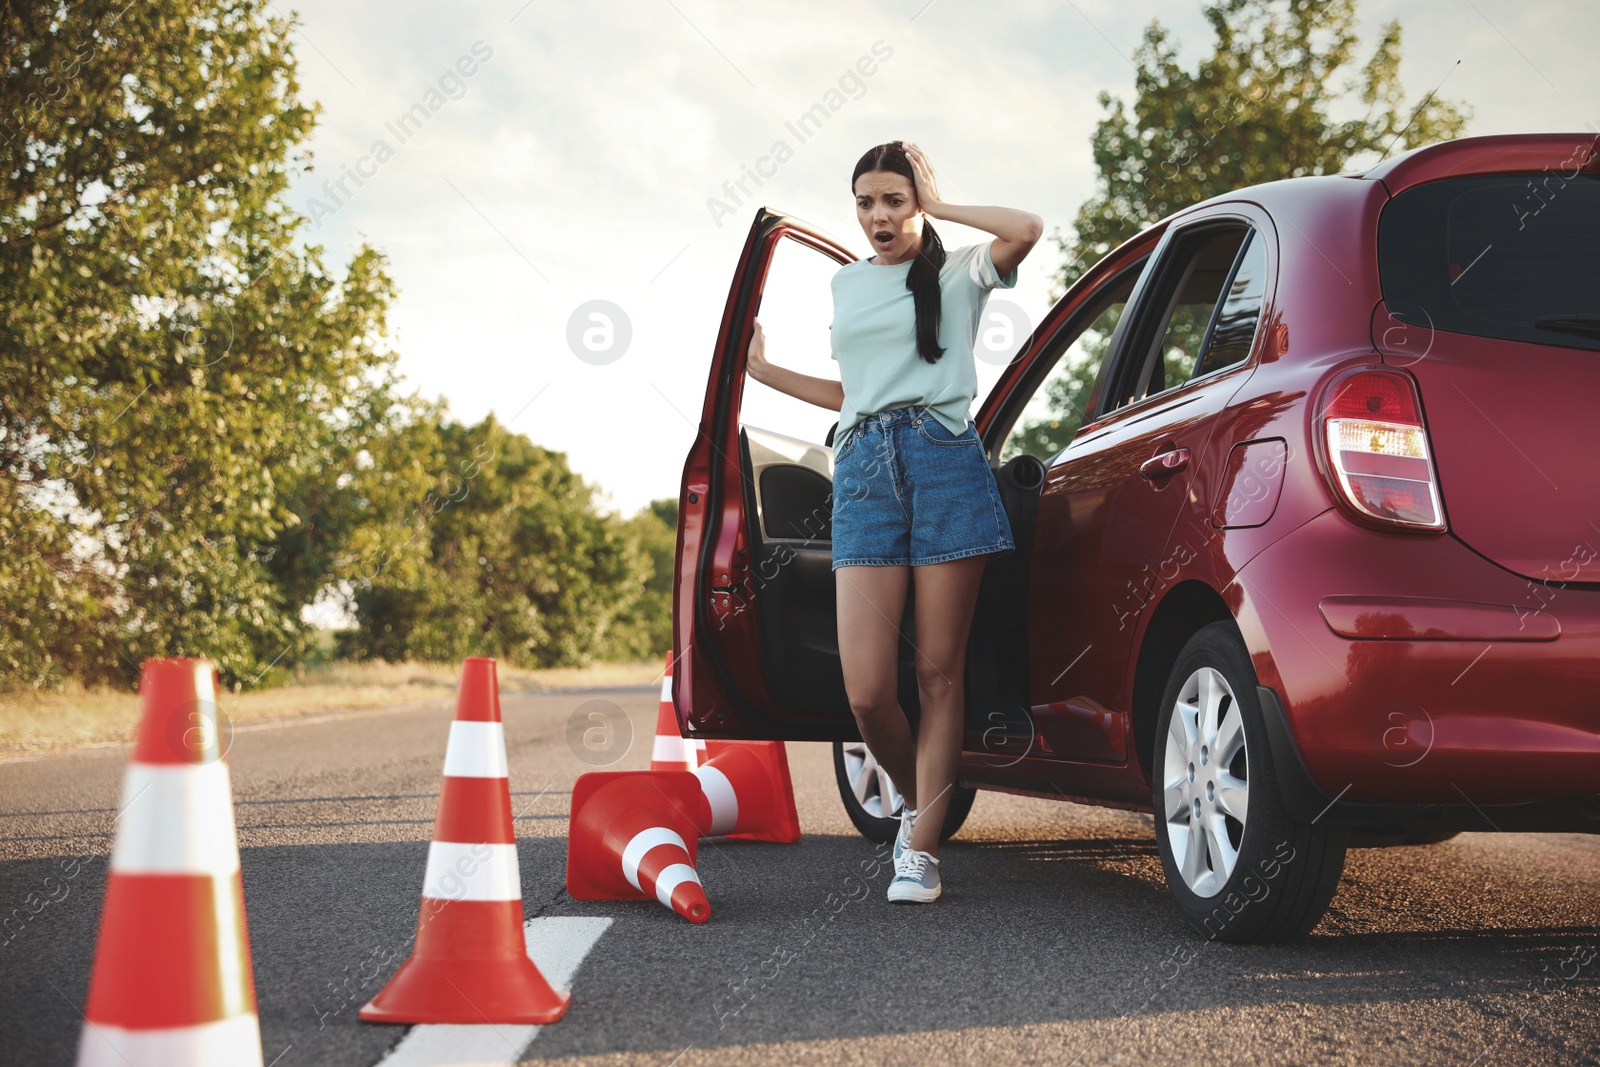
<point x="561" y="212"/>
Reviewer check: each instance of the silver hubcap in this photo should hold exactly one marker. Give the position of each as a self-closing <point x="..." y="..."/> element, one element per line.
<point x="1205" y="782"/>
<point x="872" y="788"/>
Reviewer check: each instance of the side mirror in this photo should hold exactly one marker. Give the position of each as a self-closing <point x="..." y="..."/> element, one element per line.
<point x="828" y="440"/>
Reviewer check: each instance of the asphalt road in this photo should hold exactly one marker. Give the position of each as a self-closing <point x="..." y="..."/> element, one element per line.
<point x="1054" y="942"/>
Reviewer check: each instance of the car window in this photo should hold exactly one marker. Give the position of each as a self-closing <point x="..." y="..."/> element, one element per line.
<point x="1509" y="256"/>
<point x="1055" y="408"/>
<point x="1235" y="329"/>
<point x="796" y="308"/>
<point x="1209" y="295"/>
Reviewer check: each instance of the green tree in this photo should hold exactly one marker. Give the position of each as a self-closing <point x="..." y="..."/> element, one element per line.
<point x="175" y="376"/>
<point x="1065" y="394"/>
<point x="1257" y="109"/>
<point x="644" y="630"/>
<point x="483" y="543"/>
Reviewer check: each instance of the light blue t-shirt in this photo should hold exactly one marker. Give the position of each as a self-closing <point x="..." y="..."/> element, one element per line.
<point x="874" y="338"/>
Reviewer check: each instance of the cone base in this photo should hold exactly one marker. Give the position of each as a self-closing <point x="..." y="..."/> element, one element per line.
<point x="467" y="991"/>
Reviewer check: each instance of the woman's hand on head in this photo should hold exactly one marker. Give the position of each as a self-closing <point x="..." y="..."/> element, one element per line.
<point x="755" y="364"/>
<point x="927" y="185"/>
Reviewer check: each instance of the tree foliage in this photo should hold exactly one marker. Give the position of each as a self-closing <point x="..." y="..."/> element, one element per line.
<point x="169" y="362"/>
<point x="1259" y="108"/>
<point x="643" y="630"/>
<point x="500" y="553"/>
<point x="199" y="427"/>
<point x="1064" y="394"/>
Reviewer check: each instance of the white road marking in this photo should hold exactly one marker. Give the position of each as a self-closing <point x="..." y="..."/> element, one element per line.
<point x="558" y="945"/>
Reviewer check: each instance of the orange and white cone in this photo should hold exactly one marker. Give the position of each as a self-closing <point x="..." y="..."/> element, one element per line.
<point x="470" y="963"/>
<point x="172" y="981"/>
<point x="671" y="751"/>
<point x="632" y="835"/>
<point x="746" y="792"/>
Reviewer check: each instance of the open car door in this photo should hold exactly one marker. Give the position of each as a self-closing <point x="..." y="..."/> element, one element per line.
<point x="755" y="643"/>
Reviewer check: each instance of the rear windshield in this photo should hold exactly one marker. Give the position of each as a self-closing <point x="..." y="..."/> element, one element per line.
<point x="1513" y="256"/>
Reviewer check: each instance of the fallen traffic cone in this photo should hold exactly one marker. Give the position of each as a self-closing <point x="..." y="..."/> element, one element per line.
<point x="632" y="835"/>
<point x="671" y="751"/>
<point x="747" y="792"/>
<point x="172" y="982"/>
<point x="471" y="964"/>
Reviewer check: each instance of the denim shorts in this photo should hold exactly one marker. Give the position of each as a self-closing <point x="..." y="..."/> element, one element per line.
<point x="906" y="491"/>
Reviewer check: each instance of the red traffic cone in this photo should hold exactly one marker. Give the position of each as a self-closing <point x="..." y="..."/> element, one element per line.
<point x="632" y="835"/>
<point x="747" y="792"/>
<point x="172" y="981"/>
<point x="471" y="964"/>
<point x="672" y="751"/>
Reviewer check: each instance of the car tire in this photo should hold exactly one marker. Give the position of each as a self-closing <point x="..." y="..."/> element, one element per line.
<point x="1239" y="866"/>
<point x="854" y="767"/>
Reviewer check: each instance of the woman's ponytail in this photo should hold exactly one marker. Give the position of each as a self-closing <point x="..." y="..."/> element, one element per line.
<point x="923" y="281"/>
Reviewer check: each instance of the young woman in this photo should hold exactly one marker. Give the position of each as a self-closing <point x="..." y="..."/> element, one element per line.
<point x="913" y="495"/>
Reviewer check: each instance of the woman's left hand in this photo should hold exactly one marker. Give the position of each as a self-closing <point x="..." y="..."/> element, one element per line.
<point x="927" y="185"/>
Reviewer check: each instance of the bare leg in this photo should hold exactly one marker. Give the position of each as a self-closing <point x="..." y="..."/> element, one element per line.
<point x="870" y="603"/>
<point x="947" y="594"/>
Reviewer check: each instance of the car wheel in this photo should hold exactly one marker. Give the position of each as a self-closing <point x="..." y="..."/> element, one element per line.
<point x="1240" y="868"/>
<point x="872" y="801"/>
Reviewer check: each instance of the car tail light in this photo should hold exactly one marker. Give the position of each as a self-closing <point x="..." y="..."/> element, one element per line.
<point x="1377" y="449"/>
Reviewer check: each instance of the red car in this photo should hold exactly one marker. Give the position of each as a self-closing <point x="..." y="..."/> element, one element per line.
<point x="1308" y="555"/>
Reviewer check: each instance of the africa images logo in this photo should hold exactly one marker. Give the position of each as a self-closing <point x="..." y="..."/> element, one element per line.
<point x="451" y="85"/>
<point x="810" y="122"/>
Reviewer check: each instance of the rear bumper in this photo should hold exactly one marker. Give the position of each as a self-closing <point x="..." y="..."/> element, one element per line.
<point x="1309" y="802"/>
<point x="1467" y="689"/>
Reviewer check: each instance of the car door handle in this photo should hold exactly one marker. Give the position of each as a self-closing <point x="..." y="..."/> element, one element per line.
<point x="1165" y="464"/>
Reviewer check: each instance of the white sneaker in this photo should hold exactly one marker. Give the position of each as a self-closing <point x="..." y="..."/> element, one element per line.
<point x="916" y="879"/>
<point x="902" y="839"/>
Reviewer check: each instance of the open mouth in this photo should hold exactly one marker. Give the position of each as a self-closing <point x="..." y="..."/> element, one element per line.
<point x="883" y="237"/>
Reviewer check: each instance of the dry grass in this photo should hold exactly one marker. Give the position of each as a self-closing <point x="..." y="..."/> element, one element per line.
<point x="36" y="723"/>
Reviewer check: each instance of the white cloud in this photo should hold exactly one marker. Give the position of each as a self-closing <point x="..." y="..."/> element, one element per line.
<point x="592" y="138"/>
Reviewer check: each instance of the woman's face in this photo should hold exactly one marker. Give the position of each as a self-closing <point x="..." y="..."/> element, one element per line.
<point x="890" y="216"/>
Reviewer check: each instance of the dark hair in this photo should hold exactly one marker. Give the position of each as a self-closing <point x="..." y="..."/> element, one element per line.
<point x="923" y="277"/>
